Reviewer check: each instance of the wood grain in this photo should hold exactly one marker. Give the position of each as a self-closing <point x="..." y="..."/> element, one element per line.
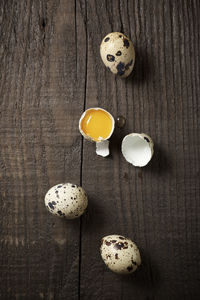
<point x="50" y="72"/>
<point x="42" y="97"/>
<point x="156" y="206"/>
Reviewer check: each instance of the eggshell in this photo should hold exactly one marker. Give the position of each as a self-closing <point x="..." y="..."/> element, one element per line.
<point x="137" y="149"/>
<point x="118" y="54"/>
<point x="120" y="254"/>
<point x="66" y="200"/>
<point x="102" y="148"/>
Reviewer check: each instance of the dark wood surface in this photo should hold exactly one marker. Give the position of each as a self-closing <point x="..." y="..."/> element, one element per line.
<point x="50" y="72"/>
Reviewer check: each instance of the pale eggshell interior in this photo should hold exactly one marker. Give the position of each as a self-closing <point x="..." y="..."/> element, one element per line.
<point x="136" y="150"/>
<point x="102" y="148"/>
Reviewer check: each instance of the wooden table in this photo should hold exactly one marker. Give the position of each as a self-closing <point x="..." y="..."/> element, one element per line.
<point x="51" y="71"/>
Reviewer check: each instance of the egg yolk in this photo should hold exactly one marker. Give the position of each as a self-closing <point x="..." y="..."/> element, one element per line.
<point x="97" y="124"/>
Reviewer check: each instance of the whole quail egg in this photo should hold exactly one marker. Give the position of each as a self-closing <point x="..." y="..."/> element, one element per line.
<point x="66" y="200"/>
<point x="117" y="53"/>
<point x="120" y="254"/>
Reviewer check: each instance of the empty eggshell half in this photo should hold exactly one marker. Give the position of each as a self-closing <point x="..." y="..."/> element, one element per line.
<point x="137" y="149"/>
<point x="120" y="254"/>
<point x="117" y="53"/>
<point x="97" y="125"/>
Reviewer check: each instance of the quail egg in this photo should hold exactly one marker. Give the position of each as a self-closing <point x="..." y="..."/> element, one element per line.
<point x="120" y="254"/>
<point x="66" y="200"/>
<point x="118" y="54"/>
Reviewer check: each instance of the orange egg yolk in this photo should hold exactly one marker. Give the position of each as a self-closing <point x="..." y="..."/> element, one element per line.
<point x="97" y="124"/>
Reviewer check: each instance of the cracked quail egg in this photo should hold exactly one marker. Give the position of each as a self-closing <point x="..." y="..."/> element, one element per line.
<point x="97" y="125"/>
<point x="118" y="54"/>
<point x="66" y="200"/>
<point x="120" y="254"/>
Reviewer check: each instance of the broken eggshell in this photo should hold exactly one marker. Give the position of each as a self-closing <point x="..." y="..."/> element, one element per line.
<point x="120" y="254"/>
<point x="137" y="149"/>
<point x="66" y="200"/>
<point x="102" y="146"/>
<point x="118" y="54"/>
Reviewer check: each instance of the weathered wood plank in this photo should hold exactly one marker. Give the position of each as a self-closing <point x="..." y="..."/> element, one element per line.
<point x="156" y="206"/>
<point x="42" y="96"/>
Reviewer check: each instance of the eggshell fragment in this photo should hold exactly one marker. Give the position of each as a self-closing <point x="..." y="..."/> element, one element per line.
<point x="120" y="254"/>
<point x="66" y="200"/>
<point x="102" y="148"/>
<point x="137" y="149"/>
<point x="117" y="53"/>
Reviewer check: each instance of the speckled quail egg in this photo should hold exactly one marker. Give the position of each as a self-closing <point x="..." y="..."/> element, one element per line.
<point x="117" y="53"/>
<point x="66" y="200"/>
<point x="120" y="254"/>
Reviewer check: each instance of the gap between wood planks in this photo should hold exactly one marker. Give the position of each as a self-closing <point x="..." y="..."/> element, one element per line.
<point x="81" y="166"/>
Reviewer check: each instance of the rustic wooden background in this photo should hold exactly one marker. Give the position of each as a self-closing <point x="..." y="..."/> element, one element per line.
<point x="50" y="72"/>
